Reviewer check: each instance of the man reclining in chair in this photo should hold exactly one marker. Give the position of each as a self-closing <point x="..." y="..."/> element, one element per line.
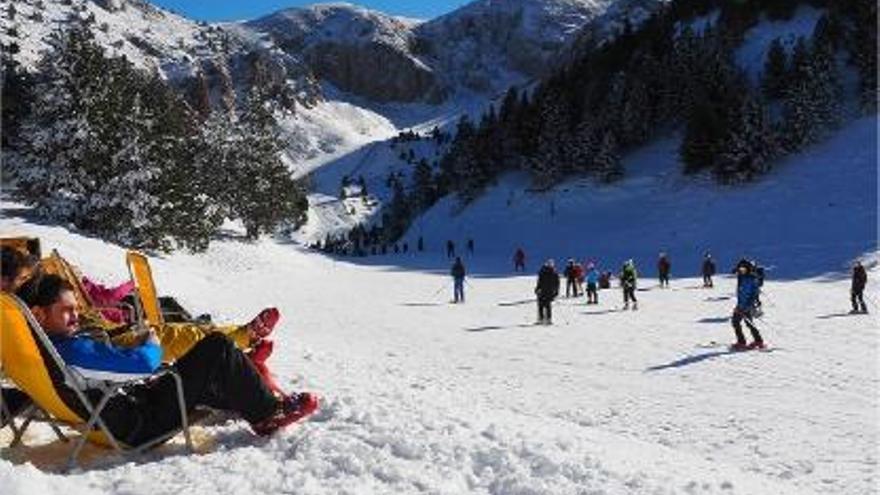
<point x="214" y="372"/>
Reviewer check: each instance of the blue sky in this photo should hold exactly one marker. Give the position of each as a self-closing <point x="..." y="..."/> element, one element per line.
<point x="228" y="10"/>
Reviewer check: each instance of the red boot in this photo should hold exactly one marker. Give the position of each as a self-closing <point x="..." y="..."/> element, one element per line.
<point x="290" y="410"/>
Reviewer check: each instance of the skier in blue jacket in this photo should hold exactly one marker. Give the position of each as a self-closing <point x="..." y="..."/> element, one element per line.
<point x="592" y="284"/>
<point x="746" y="297"/>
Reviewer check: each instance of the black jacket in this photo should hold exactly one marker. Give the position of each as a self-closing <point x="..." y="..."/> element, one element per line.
<point x="548" y="283"/>
<point x="859" y="278"/>
<point x="457" y="270"/>
<point x="708" y="267"/>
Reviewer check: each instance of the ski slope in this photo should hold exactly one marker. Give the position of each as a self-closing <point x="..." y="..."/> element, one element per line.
<point x="421" y="396"/>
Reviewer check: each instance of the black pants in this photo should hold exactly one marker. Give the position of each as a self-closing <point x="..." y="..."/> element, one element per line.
<point x="571" y="287"/>
<point x="664" y="279"/>
<point x="629" y="294"/>
<point x="858" y="296"/>
<point x="214" y="373"/>
<point x="519" y="266"/>
<point x="707" y="280"/>
<point x="545" y="309"/>
<point x="592" y="293"/>
<point x="736" y="321"/>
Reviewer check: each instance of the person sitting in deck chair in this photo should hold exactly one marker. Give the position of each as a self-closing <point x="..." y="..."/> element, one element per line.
<point x="214" y="373"/>
<point x="13" y="264"/>
<point x="176" y="339"/>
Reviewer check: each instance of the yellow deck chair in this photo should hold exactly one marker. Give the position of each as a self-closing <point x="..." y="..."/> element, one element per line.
<point x="31" y="362"/>
<point x="149" y="309"/>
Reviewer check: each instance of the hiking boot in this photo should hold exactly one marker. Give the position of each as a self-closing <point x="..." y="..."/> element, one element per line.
<point x="739" y="346"/>
<point x="290" y="410"/>
<point x="263" y="324"/>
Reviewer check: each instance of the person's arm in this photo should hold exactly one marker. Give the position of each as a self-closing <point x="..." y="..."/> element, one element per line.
<point x="91" y="354"/>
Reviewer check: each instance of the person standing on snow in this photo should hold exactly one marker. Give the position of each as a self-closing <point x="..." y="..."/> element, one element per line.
<point x="663" y="268"/>
<point x="519" y="260"/>
<point x="746" y="298"/>
<point x="546" y="291"/>
<point x="450" y="249"/>
<point x="570" y="280"/>
<point x="470" y="246"/>
<point x="579" y="279"/>
<point x="708" y="269"/>
<point x="628" y="280"/>
<point x="592" y="278"/>
<point x="859" y="281"/>
<point x="458" y="273"/>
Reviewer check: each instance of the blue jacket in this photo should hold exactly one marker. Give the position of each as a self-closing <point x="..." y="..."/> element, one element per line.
<point x="85" y="352"/>
<point x="747" y="292"/>
<point x="592" y="276"/>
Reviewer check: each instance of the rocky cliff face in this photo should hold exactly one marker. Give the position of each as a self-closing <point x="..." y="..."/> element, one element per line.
<point x="360" y="51"/>
<point x="482" y="47"/>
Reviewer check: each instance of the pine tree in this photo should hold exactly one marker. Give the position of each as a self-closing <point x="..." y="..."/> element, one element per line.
<point x="424" y="188"/>
<point x="750" y="145"/>
<point x="260" y="190"/>
<point x="776" y="71"/>
<point x="705" y="129"/>
<point x="812" y="103"/>
<point x="607" y="161"/>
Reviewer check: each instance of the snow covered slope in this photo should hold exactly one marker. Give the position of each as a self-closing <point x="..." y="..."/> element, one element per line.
<point x="810" y="216"/>
<point x="425" y="397"/>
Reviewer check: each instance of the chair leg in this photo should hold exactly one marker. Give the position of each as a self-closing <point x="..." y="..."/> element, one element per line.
<point x="28" y="415"/>
<point x="181" y="401"/>
<point x="94" y="419"/>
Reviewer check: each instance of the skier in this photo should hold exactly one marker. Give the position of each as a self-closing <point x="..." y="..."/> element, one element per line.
<point x="579" y="279"/>
<point x="458" y="273"/>
<point x="519" y="260"/>
<point x="450" y="249"/>
<point x="570" y="280"/>
<point x="628" y="279"/>
<point x="405" y="247"/>
<point x="746" y="298"/>
<point x="708" y="270"/>
<point x="420" y="245"/>
<point x="859" y="280"/>
<point x="470" y="246"/>
<point x="592" y="281"/>
<point x="663" y="267"/>
<point x="605" y="280"/>
<point x="546" y="291"/>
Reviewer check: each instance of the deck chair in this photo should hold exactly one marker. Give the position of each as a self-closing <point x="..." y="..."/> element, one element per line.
<point x="58" y="390"/>
<point x="147" y="304"/>
<point x="149" y="307"/>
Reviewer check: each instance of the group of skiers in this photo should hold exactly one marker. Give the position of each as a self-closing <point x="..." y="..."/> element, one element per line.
<point x="750" y="279"/>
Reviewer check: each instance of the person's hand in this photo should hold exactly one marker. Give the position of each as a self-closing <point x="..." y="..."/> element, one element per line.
<point x="150" y="336"/>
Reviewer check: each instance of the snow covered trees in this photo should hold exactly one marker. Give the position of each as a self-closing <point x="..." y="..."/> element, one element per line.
<point x="118" y="154"/>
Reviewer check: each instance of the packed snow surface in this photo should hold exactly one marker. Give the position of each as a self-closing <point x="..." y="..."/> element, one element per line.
<point x="421" y="396"/>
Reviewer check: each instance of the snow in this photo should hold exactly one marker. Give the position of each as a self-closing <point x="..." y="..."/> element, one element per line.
<point x="752" y="54"/>
<point x="425" y="397"/>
